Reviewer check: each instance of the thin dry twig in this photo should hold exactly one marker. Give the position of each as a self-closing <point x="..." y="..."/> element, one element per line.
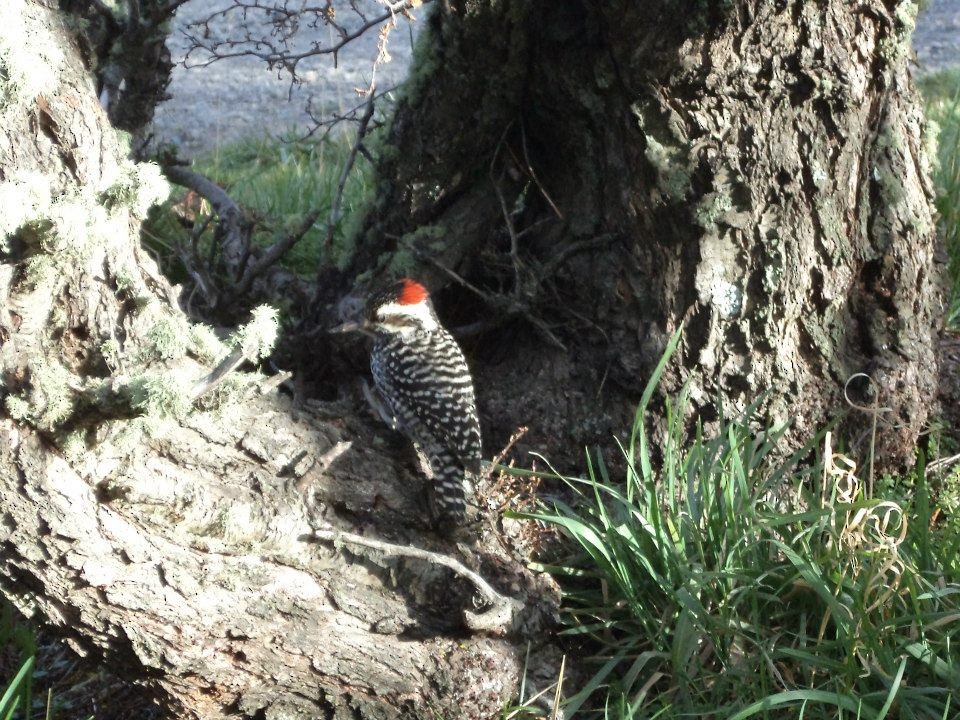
<point x="275" y="50"/>
<point x="874" y="412"/>
<point x="530" y="170"/>
<point x="336" y="207"/>
<point x="514" y="439"/>
<point x="275" y="252"/>
<point x="233" y="228"/>
<point x="514" y="240"/>
<point x="942" y="464"/>
<point x="497" y="618"/>
<point x="216" y="376"/>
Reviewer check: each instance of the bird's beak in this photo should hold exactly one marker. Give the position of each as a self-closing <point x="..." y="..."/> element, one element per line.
<point x="349" y="326"/>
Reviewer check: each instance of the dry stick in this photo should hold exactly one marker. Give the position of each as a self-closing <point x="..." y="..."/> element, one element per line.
<point x="498" y="618"/>
<point x="276" y="251"/>
<point x="554" y="263"/>
<point x="874" y="413"/>
<point x="200" y="277"/>
<point x="514" y="241"/>
<point x="235" y="227"/>
<point x="536" y="180"/>
<point x="942" y="463"/>
<point x="514" y="439"/>
<point x="216" y="376"/>
<point x="335" y="211"/>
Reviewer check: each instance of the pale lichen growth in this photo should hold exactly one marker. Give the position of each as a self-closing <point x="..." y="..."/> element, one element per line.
<point x="30" y="59"/>
<point x="17" y="407"/>
<point x="228" y="396"/>
<point x="257" y="338"/>
<point x="138" y="186"/>
<point x="818" y="175"/>
<point x="727" y="298"/>
<point x="23" y="198"/>
<point x="673" y="176"/>
<point x="906" y="15"/>
<point x="74" y="227"/>
<point x="160" y="395"/>
<point x="931" y="145"/>
<point x="205" y="344"/>
<point x="111" y="352"/>
<point x="712" y="208"/>
<point x="73" y="445"/>
<point x="169" y="337"/>
<point x="49" y="401"/>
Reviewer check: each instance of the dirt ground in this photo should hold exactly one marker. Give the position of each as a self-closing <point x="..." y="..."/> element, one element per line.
<point x="241" y="97"/>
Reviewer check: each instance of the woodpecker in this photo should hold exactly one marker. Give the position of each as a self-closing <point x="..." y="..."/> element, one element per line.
<point x="423" y="379"/>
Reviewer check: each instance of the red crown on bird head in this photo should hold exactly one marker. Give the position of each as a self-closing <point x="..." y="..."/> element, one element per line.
<point x="411" y="292"/>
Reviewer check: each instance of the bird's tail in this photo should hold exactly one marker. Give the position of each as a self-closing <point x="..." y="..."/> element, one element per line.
<point x="452" y="487"/>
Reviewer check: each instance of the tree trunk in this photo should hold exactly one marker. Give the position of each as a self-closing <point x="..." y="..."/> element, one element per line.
<point x="169" y="528"/>
<point x="601" y="173"/>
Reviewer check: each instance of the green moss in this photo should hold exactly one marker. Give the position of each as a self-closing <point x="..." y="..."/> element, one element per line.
<point x="402" y="263"/>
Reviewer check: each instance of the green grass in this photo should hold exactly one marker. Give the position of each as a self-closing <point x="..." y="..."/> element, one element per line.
<point x="18" y="647"/>
<point x="941" y="92"/>
<point x="277" y="183"/>
<point x="693" y="590"/>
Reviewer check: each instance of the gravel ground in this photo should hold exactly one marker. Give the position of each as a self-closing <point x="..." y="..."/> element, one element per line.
<point x="241" y="97"/>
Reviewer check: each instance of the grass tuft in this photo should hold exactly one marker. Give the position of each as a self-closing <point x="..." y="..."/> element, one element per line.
<point x="941" y="92"/>
<point x="697" y="591"/>
<point x="278" y="183"/>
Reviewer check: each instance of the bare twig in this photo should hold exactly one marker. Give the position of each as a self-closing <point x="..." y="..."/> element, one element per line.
<point x="336" y="206"/>
<point x="273" y="253"/>
<point x="272" y="383"/>
<point x="226" y="366"/>
<point x="233" y="228"/>
<point x="533" y="175"/>
<point x="514" y="240"/>
<point x="198" y="273"/>
<point x="554" y="262"/>
<point x="942" y="464"/>
<point x="276" y="53"/>
<point x="514" y="439"/>
<point x="499" y="616"/>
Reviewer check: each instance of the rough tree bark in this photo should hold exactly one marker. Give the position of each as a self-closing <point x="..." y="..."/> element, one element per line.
<point x="605" y="171"/>
<point x="173" y="535"/>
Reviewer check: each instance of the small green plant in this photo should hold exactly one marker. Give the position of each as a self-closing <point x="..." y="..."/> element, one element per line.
<point x="699" y="591"/>
<point x="18" y="646"/>
<point x="17" y="693"/>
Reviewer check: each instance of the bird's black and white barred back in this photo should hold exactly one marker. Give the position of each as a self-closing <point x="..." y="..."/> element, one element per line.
<point x="423" y="378"/>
